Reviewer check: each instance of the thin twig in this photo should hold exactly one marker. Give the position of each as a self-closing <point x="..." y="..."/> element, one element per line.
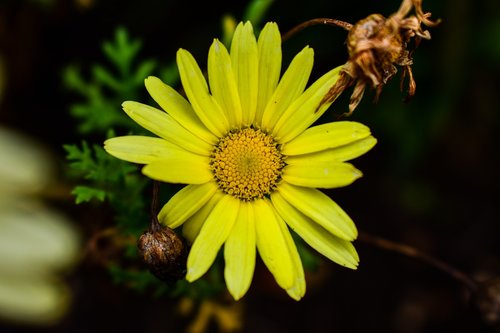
<point x="155" y="224"/>
<point x="412" y="252"/>
<point x="316" y="21"/>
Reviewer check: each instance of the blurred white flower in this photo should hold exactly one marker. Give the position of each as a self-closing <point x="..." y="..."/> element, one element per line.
<point x="37" y="244"/>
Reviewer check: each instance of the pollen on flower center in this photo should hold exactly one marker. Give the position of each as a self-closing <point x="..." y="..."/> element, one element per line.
<point x="247" y="163"/>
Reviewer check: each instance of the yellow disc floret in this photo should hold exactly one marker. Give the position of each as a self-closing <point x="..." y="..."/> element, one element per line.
<point x="247" y="163"/>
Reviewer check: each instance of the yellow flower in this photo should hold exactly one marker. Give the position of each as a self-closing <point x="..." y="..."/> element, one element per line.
<point x="242" y="145"/>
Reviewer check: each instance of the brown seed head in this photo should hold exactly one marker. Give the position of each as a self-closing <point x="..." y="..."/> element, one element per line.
<point x="373" y="48"/>
<point x="164" y="252"/>
<point x="376" y="45"/>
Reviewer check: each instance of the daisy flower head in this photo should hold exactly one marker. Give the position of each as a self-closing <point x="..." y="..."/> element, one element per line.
<point x="243" y="145"/>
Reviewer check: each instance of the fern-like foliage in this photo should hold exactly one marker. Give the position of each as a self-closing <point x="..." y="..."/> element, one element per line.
<point x="107" y="87"/>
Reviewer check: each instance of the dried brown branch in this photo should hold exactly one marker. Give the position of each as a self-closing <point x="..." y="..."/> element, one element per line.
<point x="412" y="252"/>
<point x="316" y="21"/>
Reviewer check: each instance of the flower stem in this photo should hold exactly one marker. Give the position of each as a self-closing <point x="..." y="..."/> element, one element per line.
<point x="155" y="224"/>
<point x="412" y="252"/>
<point x="316" y="21"/>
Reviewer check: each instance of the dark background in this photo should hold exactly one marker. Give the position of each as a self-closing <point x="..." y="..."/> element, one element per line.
<point x="431" y="182"/>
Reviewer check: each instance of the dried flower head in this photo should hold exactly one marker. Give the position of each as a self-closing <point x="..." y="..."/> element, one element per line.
<point x="377" y="44"/>
<point x="163" y="251"/>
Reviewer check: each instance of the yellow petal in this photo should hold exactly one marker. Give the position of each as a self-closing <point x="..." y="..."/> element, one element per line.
<point x="291" y="86"/>
<point x="140" y="149"/>
<point x="178" y="107"/>
<point x="185" y="203"/>
<point x="163" y="125"/>
<point x="321" y="174"/>
<point x="240" y="251"/>
<point x="191" y="228"/>
<point x="196" y="88"/>
<point x="212" y="235"/>
<point x="269" y="45"/>
<point x="326" y="136"/>
<point x="223" y="83"/>
<point x="244" y="58"/>
<point x="298" y="289"/>
<point x="183" y="168"/>
<point x="338" y="250"/>
<point x="306" y="109"/>
<point x="321" y="209"/>
<point x="339" y="154"/>
<point x="272" y="244"/>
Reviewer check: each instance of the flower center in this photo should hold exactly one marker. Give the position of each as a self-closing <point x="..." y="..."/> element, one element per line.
<point x="247" y="164"/>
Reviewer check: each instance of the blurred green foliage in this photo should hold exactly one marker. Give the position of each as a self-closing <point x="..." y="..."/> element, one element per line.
<point x="94" y="164"/>
<point x="109" y="87"/>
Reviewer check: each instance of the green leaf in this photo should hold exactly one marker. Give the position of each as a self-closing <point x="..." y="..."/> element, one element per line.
<point x="123" y="50"/>
<point x="73" y="79"/>
<point x="144" y="69"/>
<point x="104" y="76"/>
<point x="109" y="85"/>
<point x="95" y="164"/>
<point x="86" y="194"/>
<point x="81" y="158"/>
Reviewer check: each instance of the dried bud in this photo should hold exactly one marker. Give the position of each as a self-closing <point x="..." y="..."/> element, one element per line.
<point x="376" y="44"/>
<point x="164" y="252"/>
<point x="373" y="49"/>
